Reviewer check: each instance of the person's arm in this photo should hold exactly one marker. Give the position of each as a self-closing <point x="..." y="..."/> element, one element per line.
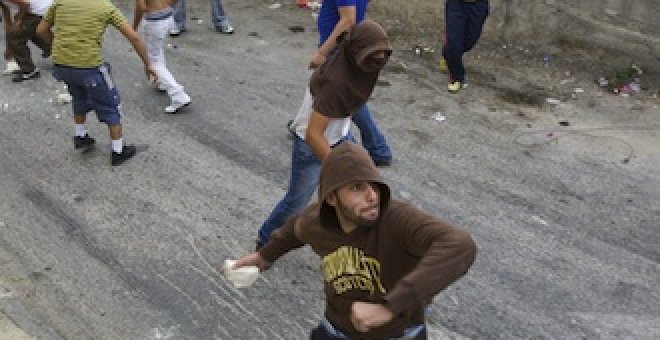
<point x="132" y="36"/>
<point x="44" y="31"/>
<point x="315" y="135"/>
<point x="347" y="18"/>
<point x="446" y="253"/>
<point x="137" y="14"/>
<point x="6" y="14"/>
<point x="23" y="9"/>
<point x="44" y="28"/>
<point x="6" y="17"/>
<point x="282" y="240"/>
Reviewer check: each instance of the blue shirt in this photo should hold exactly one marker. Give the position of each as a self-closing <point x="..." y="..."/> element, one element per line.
<point x="329" y="15"/>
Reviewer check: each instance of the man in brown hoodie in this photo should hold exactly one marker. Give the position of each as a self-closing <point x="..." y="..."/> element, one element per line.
<point x="382" y="260"/>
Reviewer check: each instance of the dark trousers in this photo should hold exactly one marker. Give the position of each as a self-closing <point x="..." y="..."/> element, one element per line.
<point x="464" y="22"/>
<point x="17" y="42"/>
<point x="320" y="333"/>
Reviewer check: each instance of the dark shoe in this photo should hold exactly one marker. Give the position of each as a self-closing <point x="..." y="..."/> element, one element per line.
<point x="382" y="161"/>
<point x="46" y="53"/>
<point x="126" y="153"/>
<point x="21" y="76"/>
<point x="83" y="142"/>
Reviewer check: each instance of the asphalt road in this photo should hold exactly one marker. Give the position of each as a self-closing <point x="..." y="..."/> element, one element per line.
<point x="567" y="225"/>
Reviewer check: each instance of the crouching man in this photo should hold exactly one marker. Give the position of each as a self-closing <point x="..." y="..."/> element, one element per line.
<point x="382" y="260"/>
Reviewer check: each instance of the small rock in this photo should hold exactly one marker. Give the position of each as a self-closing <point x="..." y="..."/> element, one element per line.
<point x="296" y="29"/>
<point x="439" y="117"/>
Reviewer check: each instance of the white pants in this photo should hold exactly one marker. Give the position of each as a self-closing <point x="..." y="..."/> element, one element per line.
<point x="154" y="32"/>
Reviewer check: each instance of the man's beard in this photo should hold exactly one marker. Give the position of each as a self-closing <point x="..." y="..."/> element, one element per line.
<point x="350" y="216"/>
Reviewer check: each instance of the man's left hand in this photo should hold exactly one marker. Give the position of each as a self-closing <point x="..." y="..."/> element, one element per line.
<point x="366" y="316"/>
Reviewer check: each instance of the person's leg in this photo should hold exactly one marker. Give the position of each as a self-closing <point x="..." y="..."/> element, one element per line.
<point x="32" y="32"/>
<point x="372" y="139"/>
<point x="179" y="17"/>
<point x="305" y="170"/>
<point x="80" y="105"/>
<point x="219" y="18"/>
<point x="476" y="17"/>
<point x="455" y="20"/>
<point x="17" y="42"/>
<point x="154" y="32"/>
<point x="104" y="96"/>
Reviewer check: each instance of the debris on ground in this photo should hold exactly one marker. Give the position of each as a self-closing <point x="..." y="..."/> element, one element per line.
<point x="439" y="117"/>
<point x="276" y="5"/>
<point x="420" y="49"/>
<point x="624" y="81"/>
<point x="296" y="29"/>
<point x="553" y="101"/>
<point x="63" y="98"/>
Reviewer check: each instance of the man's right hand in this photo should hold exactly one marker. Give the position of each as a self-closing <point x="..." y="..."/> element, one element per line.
<point x="151" y="73"/>
<point x="254" y="259"/>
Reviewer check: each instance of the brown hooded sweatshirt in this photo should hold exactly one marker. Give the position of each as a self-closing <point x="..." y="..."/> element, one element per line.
<point x="402" y="261"/>
<point x="345" y="81"/>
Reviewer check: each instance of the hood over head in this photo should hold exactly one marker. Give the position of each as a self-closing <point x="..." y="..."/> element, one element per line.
<point x="345" y="81"/>
<point x="347" y="163"/>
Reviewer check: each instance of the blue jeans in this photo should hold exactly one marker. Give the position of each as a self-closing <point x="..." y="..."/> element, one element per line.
<point x="218" y="16"/>
<point x="305" y="171"/>
<point x="464" y="22"/>
<point x="372" y="139"/>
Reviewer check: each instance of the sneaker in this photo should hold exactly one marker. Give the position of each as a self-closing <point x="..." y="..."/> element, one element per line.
<point x="225" y="29"/>
<point x="175" y="106"/>
<point x="442" y="65"/>
<point x="21" y="76"/>
<point x="127" y="152"/>
<point x="454" y="86"/>
<point x="83" y="142"/>
<point x="160" y="87"/>
<point x="175" y="32"/>
<point x="11" y="68"/>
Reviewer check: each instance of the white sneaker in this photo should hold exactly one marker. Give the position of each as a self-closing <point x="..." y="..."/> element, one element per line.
<point x="175" y="106"/>
<point x="175" y="32"/>
<point x="161" y="87"/>
<point x="225" y="29"/>
<point x="12" y="67"/>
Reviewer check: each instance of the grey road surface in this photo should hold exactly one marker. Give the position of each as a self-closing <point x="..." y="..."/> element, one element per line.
<point x="566" y="218"/>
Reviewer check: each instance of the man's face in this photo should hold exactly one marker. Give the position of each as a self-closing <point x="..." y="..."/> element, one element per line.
<point x="358" y="203"/>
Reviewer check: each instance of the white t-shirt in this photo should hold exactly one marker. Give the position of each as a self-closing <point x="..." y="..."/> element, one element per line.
<point x="39" y="7"/>
<point x="337" y="127"/>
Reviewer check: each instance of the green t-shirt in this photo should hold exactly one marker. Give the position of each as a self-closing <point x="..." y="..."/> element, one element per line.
<point x="79" y="28"/>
